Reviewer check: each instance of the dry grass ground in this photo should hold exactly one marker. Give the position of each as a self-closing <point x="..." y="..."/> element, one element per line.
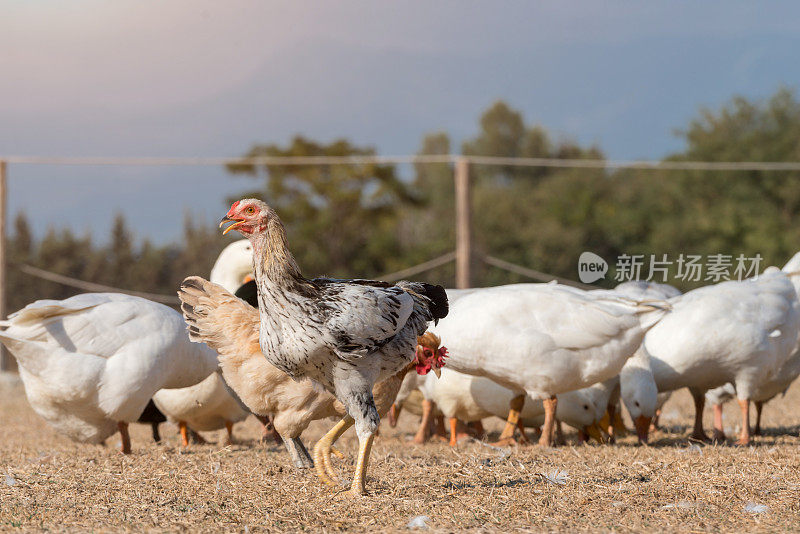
<point x="49" y="483"/>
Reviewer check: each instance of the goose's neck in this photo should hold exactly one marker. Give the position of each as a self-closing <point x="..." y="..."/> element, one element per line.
<point x="225" y="278"/>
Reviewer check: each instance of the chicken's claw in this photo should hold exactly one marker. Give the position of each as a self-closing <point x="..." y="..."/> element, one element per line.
<point x="324" y="448"/>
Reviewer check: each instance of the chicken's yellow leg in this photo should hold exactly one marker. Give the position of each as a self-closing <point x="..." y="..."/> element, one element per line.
<point x="323" y="448"/>
<point x="360" y="476"/>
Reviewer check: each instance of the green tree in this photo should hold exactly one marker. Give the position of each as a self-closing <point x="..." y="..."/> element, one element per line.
<point x="342" y="220"/>
<point x="534" y="216"/>
<point x="120" y="255"/>
<point x="21" y="246"/>
<point x="751" y="211"/>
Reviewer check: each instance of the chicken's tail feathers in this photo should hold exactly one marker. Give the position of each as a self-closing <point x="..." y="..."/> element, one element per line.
<point x="215" y="317"/>
<point x="440" y="307"/>
<point x="435" y="295"/>
<point x="192" y="293"/>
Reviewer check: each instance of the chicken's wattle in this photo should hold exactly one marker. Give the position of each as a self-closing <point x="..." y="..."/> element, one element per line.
<point x="424" y="363"/>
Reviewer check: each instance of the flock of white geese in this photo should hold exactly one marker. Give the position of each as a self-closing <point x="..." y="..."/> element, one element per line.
<point x="532" y="354"/>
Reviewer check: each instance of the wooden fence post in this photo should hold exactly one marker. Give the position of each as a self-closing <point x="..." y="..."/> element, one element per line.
<point x="463" y="224"/>
<point x="7" y="362"/>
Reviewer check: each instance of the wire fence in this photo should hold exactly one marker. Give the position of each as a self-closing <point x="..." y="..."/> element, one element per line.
<point x="365" y="160"/>
<point x="444" y="159"/>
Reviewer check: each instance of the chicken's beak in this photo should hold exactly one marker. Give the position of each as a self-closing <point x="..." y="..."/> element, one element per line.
<point x="248" y="278"/>
<point x="231" y="227"/>
<point x="642" y="425"/>
<point x="437" y="372"/>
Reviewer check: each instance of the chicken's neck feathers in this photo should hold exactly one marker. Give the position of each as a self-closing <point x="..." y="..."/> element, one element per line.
<point x="272" y="258"/>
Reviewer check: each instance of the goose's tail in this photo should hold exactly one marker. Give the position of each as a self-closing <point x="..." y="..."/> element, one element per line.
<point x="31" y="354"/>
<point x="648" y="311"/>
<point x="651" y="311"/>
<point x="43" y="310"/>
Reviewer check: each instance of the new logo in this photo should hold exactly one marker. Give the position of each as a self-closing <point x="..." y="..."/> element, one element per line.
<point x="591" y="267"/>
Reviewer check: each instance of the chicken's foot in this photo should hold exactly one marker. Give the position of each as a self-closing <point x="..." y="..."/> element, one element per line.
<point x="423" y="431"/>
<point x="297" y="451"/>
<point x="699" y="403"/>
<point x="360" y="476"/>
<point x="759" y="407"/>
<point x="156" y="433"/>
<point x="184" y="430"/>
<point x="229" y="430"/>
<point x="324" y="447"/>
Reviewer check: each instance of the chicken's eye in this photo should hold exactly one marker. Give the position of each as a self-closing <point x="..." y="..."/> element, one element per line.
<point x="585" y="406"/>
<point x="428" y="352"/>
<point x="250" y="210"/>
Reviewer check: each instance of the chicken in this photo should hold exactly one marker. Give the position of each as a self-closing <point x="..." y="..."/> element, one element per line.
<point x="345" y="335"/>
<point x="230" y="326"/>
<point x="413" y="382"/>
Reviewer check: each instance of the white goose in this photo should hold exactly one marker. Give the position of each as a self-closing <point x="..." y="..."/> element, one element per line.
<point x="738" y="332"/>
<point x="542" y="340"/>
<point x="638" y="389"/>
<point x="91" y="363"/>
<point x="767" y="390"/>
<point x="209" y="405"/>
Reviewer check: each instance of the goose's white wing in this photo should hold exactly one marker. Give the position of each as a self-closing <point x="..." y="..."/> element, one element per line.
<point x="98" y="324"/>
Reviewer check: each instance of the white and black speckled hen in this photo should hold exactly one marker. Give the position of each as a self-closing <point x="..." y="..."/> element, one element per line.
<point x="345" y="335"/>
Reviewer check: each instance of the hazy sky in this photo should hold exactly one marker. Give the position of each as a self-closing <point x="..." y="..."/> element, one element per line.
<point x="202" y="78"/>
